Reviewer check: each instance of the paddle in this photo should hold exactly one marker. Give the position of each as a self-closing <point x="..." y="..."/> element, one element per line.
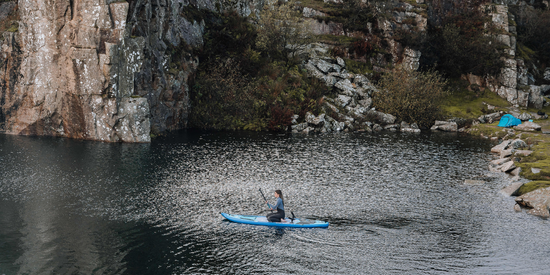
<point x="264" y="197"/>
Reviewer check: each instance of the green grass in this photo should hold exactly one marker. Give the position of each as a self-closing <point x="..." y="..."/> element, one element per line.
<point x="489" y="130"/>
<point x="532" y="186"/>
<point x="339" y="39"/>
<point x="357" y="67"/>
<point x="464" y="103"/>
<point x="539" y="159"/>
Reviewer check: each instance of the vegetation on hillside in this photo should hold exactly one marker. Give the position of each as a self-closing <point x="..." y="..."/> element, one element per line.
<point x="533" y="26"/>
<point x="411" y="96"/>
<point x="11" y="22"/>
<point x="246" y="79"/>
<point x="461" y="40"/>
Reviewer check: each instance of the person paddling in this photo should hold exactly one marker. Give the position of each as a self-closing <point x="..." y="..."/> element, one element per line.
<point x="279" y="206"/>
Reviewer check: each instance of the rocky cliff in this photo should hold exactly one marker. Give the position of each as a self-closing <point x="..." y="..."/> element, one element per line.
<point x="114" y="70"/>
<point x="104" y="70"/>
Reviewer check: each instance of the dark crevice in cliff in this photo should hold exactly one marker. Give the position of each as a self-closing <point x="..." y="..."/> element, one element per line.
<point x="71" y="4"/>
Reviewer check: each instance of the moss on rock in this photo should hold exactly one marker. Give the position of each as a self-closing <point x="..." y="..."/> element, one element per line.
<point x="531" y="186"/>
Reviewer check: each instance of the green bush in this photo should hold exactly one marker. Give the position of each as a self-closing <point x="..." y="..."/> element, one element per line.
<point x="411" y="96"/>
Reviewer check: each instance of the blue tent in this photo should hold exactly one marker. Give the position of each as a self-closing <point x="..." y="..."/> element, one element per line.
<point x="509" y="121"/>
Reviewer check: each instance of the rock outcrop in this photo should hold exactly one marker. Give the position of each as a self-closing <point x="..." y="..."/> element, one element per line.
<point x="102" y="69"/>
<point x="515" y="83"/>
<point x="351" y="108"/>
<point x="71" y="71"/>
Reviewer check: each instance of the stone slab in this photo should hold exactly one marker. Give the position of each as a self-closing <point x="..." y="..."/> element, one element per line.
<point x="512" y="189"/>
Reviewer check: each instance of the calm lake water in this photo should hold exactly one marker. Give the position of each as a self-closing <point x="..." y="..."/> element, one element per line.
<point x="396" y="204"/>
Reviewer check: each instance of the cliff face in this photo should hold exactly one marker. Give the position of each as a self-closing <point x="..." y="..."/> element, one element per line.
<point x="115" y="70"/>
<point x="104" y="70"/>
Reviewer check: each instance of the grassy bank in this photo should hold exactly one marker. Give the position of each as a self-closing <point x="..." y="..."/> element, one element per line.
<point x="539" y="159"/>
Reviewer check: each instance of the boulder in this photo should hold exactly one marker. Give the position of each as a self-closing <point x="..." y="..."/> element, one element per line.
<point x="342" y="100"/>
<point x="508" y="166"/>
<point x="528" y="126"/>
<point x="377" y="128"/>
<point x="392" y="127"/>
<point x="537" y="116"/>
<point x="346" y="87"/>
<point x="512" y="189"/>
<point x="490" y="118"/>
<point x="524" y="116"/>
<point x="331" y="107"/>
<point x="445" y="126"/>
<point x="498" y="162"/>
<point x="516" y="171"/>
<point x="315" y="121"/>
<point x="340" y="62"/>
<point x="523" y="153"/>
<point x="325" y="66"/>
<point x="338" y="126"/>
<point x="383" y="118"/>
<point x="411" y="128"/>
<point x="506" y="153"/>
<point x="497" y="149"/>
<point x="295" y="119"/>
<point x="518" y="143"/>
<point x="367" y="102"/>
<point x="538" y="201"/>
<point x="307" y="130"/>
<point x="298" y="127"/>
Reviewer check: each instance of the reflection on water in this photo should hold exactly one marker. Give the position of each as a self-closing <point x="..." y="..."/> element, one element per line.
<point x="396" y="204"/>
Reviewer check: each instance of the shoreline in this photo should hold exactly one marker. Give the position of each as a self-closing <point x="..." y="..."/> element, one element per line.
<point x="524" y="156"/>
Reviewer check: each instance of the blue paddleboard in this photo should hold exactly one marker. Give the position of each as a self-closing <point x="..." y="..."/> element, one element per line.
<point x="262" y="220"/>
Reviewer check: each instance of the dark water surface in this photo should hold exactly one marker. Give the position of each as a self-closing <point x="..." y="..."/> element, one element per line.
<point x="396" y="204"/>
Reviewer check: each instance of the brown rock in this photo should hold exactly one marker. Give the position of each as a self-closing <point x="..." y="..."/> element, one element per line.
<point x="538" y="201"/>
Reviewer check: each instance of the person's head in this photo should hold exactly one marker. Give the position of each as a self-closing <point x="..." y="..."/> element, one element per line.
<point x="279" y="194"/>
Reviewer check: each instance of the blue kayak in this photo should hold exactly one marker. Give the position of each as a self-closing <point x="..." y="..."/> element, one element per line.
<point x="262" y="220"/>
